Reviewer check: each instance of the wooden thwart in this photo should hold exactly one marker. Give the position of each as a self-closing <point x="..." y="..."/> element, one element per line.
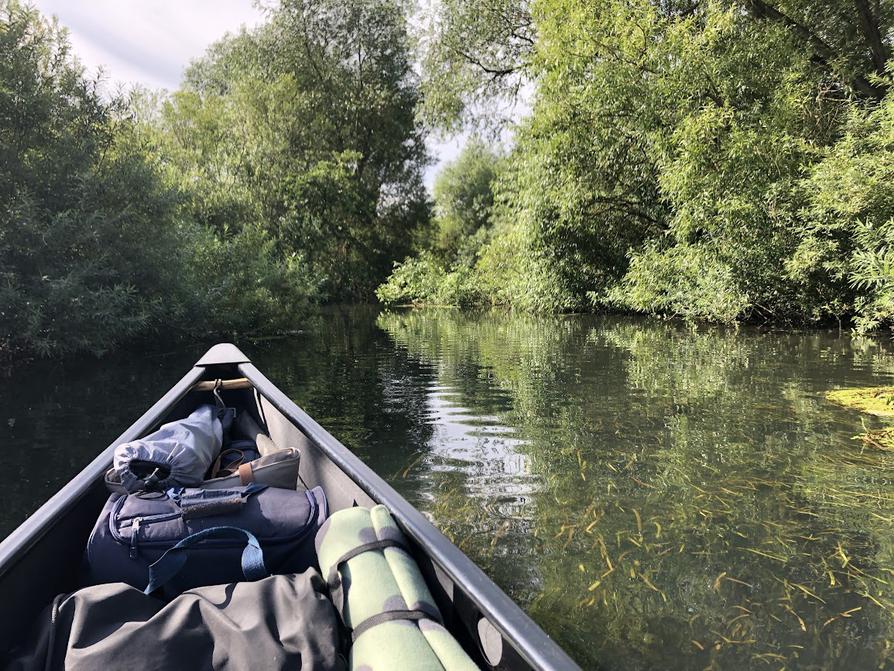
<point x="225" y="385"/>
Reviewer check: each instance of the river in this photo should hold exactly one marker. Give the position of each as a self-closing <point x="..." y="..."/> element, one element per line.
<point x="655" y="495"/>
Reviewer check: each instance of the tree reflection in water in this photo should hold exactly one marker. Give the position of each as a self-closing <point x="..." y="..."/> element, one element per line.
<point x="692" y="500"/>
<point x="655" y="495"/>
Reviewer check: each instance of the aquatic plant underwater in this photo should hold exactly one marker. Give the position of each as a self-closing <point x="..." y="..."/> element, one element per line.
<point x="689" y="499"/>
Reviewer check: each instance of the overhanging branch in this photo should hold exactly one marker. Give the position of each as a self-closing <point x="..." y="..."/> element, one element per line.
<point x="823" y="53"/>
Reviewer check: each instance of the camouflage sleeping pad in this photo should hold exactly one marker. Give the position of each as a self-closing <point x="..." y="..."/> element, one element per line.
<point x="382" y="597"/>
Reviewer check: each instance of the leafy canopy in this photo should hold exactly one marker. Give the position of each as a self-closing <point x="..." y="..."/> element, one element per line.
<point x="718" y="159"/>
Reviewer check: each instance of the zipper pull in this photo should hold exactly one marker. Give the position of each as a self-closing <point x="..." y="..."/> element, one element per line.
<point x="135" y="531"/>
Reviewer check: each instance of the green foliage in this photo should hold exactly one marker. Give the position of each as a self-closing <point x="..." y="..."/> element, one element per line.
<point x="849" y="215"/>
<point x="423" y="280"/>
<point x="414" y="280"/>
<point x="682" y="280"/>
<point x="872" y="275"/>
<point x="239" y="282"/>
<point x="693" y="131"/>
<point x="717" y="159"/>
<point x="446" y="272"/>
<point x="475" y="58"/>
<point x="88" y="246"/>
<point x="285" y="171"/>
<point x="464" y="198"/>
<point x="305" y="127"/>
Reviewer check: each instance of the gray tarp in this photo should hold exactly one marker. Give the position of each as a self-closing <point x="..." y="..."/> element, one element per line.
<point x="182" y="450"/>
<point x="280" y="622"/>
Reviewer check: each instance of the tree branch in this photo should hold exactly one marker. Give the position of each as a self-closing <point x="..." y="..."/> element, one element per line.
<point x="823" y="53"/>
<point x="869" y="24"/>
<point x="498" y="72"/>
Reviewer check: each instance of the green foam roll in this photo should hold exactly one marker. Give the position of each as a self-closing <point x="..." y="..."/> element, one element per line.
<point x="382" y="597"/>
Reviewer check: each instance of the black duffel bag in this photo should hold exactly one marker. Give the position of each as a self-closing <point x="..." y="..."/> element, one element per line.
<point x="282" y="622"/>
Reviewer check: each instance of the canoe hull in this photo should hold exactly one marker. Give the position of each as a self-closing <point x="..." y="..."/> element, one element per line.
<point x="42" y="557"/>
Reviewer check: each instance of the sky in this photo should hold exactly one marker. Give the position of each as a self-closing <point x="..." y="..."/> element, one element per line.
<point x="152" y="42"/>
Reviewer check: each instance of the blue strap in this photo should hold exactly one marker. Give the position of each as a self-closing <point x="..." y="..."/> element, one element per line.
<point x="169" y="564"/>
<point x="176" y="494"/>
<point x="252" y="488"/>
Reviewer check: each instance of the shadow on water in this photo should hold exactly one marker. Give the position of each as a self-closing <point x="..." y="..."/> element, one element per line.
<point x="655" y="496"/>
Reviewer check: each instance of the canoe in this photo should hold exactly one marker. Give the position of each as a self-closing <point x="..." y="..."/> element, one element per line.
<point x="42" y="557"/>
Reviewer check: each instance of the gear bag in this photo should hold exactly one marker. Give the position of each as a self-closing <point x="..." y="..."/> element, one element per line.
<point x="177" y="455"/>
<point x="274" y="469"/>
<point x="281" y="622"/>
<point x="184" y="538"/>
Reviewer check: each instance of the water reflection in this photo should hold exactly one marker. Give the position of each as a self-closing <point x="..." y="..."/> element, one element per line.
<point x="656" y="496"/>
<point x="55" y="418"/>
<point x="697" y="505"/>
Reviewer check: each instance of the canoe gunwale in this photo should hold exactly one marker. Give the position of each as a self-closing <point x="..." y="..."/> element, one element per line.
<point x="528" y="639"/>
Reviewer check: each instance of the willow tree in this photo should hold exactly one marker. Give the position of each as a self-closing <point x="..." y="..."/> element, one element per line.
<point x="671" y="159"/>
<point x="88" y="248"/>
<point x="476" y="57"/>
<point x="306" y="127"/>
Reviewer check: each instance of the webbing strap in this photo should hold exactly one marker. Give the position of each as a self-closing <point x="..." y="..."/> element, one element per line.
<point x="206" y="503"/>
<point x="169" y="564"/>
<point x="246" y="474"/>
<point x="389" y="616"/>
<point x="334" y="578"/>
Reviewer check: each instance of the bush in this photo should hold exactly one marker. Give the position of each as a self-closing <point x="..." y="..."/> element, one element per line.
<point x="415" y="280"/>
<point x="102" y="237"/>
<point x="241" y="283"/>
<point x="849" y="217"/>
<point x="687" y="281"/>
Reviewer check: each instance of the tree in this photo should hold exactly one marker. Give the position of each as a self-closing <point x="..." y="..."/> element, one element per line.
<point x="306" y="127"/>
<point x="88" y="247"/>
<point x="464" y="200"/>
<point x="476" y="57"/>
<point x="680" y="154"/>
<point x="851" y="40"/>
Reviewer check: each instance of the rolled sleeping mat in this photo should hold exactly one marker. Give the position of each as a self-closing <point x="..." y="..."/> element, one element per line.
<point x="382" y="597"/>
<point x="177" y="455"/>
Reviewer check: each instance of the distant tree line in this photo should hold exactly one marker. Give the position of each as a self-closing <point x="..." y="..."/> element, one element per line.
<point x="714" y="159"/>
<point x="286" y="171"/>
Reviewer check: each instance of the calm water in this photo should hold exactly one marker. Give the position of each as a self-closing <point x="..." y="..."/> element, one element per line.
<point x="655" y="496"/>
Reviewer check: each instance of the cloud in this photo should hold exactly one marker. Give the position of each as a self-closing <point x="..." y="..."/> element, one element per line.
<point x="149" y="43"/>
<point x="152" y="43"/>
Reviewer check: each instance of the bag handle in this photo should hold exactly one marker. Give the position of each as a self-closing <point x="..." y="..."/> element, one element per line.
<point x="207" y="502"/>
<point x="162" y="571"/>
<point x="216" y="470"/>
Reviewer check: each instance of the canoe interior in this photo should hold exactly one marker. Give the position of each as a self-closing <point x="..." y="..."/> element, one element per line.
<point x="43" y="557"/>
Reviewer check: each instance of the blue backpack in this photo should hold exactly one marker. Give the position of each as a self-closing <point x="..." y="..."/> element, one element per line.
<point x="186" y="537"/>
